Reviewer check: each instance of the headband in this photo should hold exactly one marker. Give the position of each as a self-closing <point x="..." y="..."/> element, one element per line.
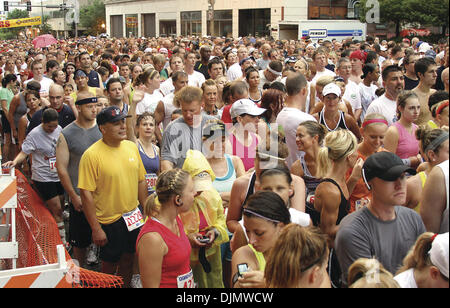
<point x="265" y="155"/>
<point x="85" y="101"/>
<point x="273" y="71"/>
<point x="260" y="216"/>
<point x="367" y="122"/>
<point x="441" y="107"/>
<point x="437" y="142"/>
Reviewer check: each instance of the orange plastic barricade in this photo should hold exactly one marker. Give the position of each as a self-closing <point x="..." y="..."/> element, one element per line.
<point x="42" y="260"/>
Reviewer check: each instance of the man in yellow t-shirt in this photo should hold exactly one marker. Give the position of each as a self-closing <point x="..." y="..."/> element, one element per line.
<point x="112" y="185"/>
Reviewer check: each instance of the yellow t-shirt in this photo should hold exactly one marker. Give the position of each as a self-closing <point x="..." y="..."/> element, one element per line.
<point x="91" y="89"/>
<point x="112" y="175"/>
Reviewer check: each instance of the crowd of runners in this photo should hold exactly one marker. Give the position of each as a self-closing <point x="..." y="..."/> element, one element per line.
<point x="238" y="163"/>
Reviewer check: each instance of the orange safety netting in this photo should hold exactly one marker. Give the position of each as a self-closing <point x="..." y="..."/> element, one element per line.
<point x="37" y="236"/>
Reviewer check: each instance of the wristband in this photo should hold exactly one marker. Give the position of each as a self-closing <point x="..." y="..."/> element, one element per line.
<point x="407" y="162"/>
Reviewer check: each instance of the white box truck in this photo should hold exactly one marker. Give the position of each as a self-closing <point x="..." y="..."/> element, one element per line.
<point x="322" y="29"/>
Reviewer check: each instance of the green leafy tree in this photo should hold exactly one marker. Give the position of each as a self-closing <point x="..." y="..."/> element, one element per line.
<point x="12" y="33"/>
<point x="92" y="16"/>
<point x="432" y="12"/>
<point x="402" y="12"/>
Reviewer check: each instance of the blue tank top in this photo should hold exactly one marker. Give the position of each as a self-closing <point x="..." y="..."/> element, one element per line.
<point x="151" y="166"/>
<point x="224" y="184"/>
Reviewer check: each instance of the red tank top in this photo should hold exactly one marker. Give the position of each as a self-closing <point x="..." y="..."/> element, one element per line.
<point x="176" y="263"/>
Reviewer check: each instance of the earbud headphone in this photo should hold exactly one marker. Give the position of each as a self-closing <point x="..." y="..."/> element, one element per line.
<point x="178" y="202"/>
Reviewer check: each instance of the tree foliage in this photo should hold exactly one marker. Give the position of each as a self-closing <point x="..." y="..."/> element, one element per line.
<point x="92" y="16"/>
<point x="12" y="33"/>
<point x="402" y="12"/>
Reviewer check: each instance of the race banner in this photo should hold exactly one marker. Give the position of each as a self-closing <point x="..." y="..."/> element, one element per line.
<point x="22" y="22"/>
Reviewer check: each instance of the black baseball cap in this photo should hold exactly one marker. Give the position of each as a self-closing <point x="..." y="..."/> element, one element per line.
<point x="110" y="114"/>
<point x="386" y="166"/>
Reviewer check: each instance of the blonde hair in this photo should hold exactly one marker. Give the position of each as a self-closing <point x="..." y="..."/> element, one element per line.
<point x="417" y="256"/>
<point x="324" y="80"/>
<point x="188" y="95"/>
<point x="373" y="116"/>
<point x="296" y="250"/>
<point x="208" y="83"/>
<point x="370" y="273"/>
<point x="169" y="183"/>
<point x="338" y="145"/>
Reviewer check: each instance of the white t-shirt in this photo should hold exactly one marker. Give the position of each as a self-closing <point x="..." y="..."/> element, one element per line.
<point x="384" y="106"/>
<point x="289" y="118"/>
<point x="234" y="72"/>
<point x="406" y="279"/>
<point x="367" y="95"/>
<point x="196" y="79"/>
<point x="45" y="85"/>
<point x="168" y="109"/>
<point x="149" y="102"/>
<point x="325" y="72"/>
<point x="167" y="87"/>
<point x="352" y="95"/>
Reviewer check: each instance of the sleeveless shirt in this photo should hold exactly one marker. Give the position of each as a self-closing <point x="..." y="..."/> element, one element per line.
<point x="408" y="145"/>
<point x="78" y="140"/>
<point x="341" y="123"/>
<point x="177" y="260"/>
<point x="224" y="184"/>
<point x="344" y="206"/>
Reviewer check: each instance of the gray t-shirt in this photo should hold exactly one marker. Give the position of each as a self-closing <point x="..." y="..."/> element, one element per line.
<point x="78" y="140"/>
<point x="362" y="235"/>
<point x="179" y="137"/>
<point x="43" y="147"/>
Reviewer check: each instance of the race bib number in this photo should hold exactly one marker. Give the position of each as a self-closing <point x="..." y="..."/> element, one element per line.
<point x="52" y="164"/>
<point x="133" y="219"/>
<point x="150" y="179"/>
<point x="186" y="280"/>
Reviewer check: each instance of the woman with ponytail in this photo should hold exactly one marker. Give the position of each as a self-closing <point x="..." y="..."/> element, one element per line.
<point x="148" y="98"/>
<point x="338" y="154"/>
<point x="426" y="265"/>
<point x="434" y="148"/>
<point x="162" y="247"/>
<point x="265" y="216"/>
<point x="373" y="130"/>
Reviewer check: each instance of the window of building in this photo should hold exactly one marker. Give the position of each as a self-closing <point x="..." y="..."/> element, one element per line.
<point x="131" y="25"/>
<point x="191" y="23"/>
<point x="353" y="9"/>
<point x="223" y="21"/>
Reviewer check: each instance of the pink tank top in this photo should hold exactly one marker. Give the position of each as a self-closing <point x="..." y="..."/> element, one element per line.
<point x="176" y="263"/>
<point x="247" y="154"/>
<point x="407" y="145"/>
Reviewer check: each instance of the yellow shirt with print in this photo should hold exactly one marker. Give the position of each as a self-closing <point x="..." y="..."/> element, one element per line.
<point x="112" y="175"/>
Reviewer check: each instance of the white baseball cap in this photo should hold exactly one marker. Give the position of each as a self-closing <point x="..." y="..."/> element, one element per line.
<point x="245" y="106"/>
<point x="439" y="253"/>
<point x="331" y="88"/>
<point x="424" y="47"/>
